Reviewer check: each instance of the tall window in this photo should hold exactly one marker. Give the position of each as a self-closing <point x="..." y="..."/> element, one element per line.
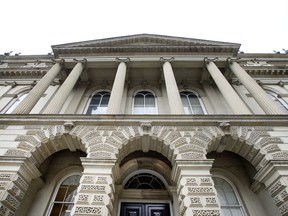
<point x="99" y="103"/>
<point x="281" y="103"/>
<point x="15" y="102"/>
<point x="144" y="103"/>
<point x="64" y="200"/>
<point x="191" y="103"/>
<point x="229" y="202"/>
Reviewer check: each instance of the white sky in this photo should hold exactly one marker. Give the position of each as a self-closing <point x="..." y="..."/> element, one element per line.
<point x="32" y="26"/>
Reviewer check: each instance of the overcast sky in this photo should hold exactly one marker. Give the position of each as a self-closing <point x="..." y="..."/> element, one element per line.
<point x="32" y="26"/>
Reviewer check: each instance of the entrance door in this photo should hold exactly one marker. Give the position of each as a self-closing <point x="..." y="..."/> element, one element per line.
<point x="144" y="209"/>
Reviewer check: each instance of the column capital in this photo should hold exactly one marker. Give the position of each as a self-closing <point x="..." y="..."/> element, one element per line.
<point x="207" y="60"/>
<point x="60" y="61"/>
<point x="125" y="60"/>
<point x="163" y="60"/>
<point x="230" y="60"/>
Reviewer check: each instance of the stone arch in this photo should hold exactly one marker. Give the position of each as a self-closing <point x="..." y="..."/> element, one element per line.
<point x="42" y="141"/>
<point x="252" y="143"/>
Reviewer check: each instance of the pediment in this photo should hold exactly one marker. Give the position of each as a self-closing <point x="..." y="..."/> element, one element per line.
<point x="145" y="43"/>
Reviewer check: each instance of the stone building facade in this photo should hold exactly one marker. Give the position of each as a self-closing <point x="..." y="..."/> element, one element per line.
<point x="144" y="125"/>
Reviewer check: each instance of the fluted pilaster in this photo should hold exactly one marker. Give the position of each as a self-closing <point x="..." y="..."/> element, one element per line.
<point x="262" y="98"/>
<point x="114" y="104"/>
<point x="59" y="99"/>
<point x="232" y="98"/>
<point x="36" y="93"/>
<point x="175" y="103"/>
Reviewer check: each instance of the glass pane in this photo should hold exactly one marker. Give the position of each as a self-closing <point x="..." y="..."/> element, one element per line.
<point x="16" y="103"/>
<point x="95" y="100"/>
<point x="184" y="100"/>
<point x="150" y="101"/>
<point x="61" y="193"/>
<point x="194" y="100"/>
<point x="56" y="209"/>
<point x="105" y="100"/>
<point x="197" y="110"/>
<point x="139" y="100"/>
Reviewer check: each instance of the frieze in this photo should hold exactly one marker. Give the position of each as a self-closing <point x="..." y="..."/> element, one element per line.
<point x="195" y="200"/>
<point x="190" y="147"/>
<point x="83" y="198"/>
<point x="95" y="140"/>
<point x="278" y="200"/>
<point x="272" y="148"/>
<point x="88" y="179"/>
<point x="12" y="201"/>
<point x="192" y="155"/>
<point x="25" y="146"/>
<point x="194" y="190"/>
<point x="29" y="139"/>
<point x="102" y="146"/>
<point x="195" y="141"/>
<point x="205" y="181"/>
<point x="280" y="155"/>
<point x="211" y="201"/>
<point x="206" y="212"/>
<point x="113" y="142"/>
<point x="21" y="182"/>
<point x="93" y="188"/>
<point x="276" y="188"/>
<point x="284" y="195"/>
<point x="255" y="135"/>
<point x="180" y="142"/>
<point x="88" y="210"/>
<point x="91" y="135"/>
<point x="136" y="131"/>
<point x="165" y="131"/>
<point x="98" y="199"/>
<point x="17" y="152"/>
<point x="173" y="136"/>
<point x="101" y="155"/>
<point x="284" y="209"/>
<point x="267" y="140"/>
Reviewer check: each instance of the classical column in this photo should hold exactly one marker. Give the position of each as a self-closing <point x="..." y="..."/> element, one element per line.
<point x="36" y="93"/>
<point x="175" y="103"/>
<point x="114" y="104"/>
<point x="60" y="97"/>
<point x="232" y="98"/>
<point x="262" y="98"/>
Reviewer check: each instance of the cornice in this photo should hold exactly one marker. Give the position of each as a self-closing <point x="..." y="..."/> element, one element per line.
<point x="154" y="120"/>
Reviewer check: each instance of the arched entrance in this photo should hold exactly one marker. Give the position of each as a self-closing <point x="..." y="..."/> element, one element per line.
<point x="144" y="185"/>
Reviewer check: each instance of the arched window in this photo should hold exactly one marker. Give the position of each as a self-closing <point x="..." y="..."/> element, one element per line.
<point x="144" y="103"/>
<point x="144" y="181"/>
<point x="191" y="103"/>
<point x="64" y="199"/>
<point x="15" y="102"/>
<point x="281" y="103"/>
<point x="99" y="103"/>
<point x="229" y="201"/>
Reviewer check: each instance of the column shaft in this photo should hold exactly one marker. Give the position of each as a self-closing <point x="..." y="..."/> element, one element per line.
<point x="232" y="98"/>
<point x="36" y="93"/>
<point x="114" y="104"/>
<point x="262" y="98"/>
<point x="175" y="103"/>
<point x="59" y="99"/>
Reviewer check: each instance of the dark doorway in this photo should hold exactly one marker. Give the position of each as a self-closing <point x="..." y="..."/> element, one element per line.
<point x="144" y="209"/>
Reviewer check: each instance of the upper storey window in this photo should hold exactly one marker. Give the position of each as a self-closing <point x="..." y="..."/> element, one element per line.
<point x="99" y="103"/>
<point x="15" y="102"/>
<point x="144" y="103"/>
<point x="191" y="103"/>
<point x="281" y="103"/>
<point x="229" y="202"/>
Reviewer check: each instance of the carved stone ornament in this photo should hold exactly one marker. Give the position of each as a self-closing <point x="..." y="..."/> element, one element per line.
<point x="146" y="126"/>
<point x="225" y="126"/>
<point x="68" y="126"/>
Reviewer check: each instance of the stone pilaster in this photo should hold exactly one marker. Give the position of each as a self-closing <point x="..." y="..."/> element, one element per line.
<point x="175" y="103"/>
<point x="195" y="188"/>
<point x="232" y="98"/>
<point x="36" y="93"/>
<point x="14" y="183"/>
<point x="115" y="100"/>
<point x="96" y="190"/>
<point x="274" y="175"/>
<point x="60" y="97"/>
<point x="262" y="98"/>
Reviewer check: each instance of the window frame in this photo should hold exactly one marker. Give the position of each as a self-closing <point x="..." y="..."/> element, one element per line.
<point x="190" y="106"/>
<point x="237" y="195"/>
<point x="155" y="99"/>
<point x="90" y="99"/>
<point x="279" y="101"/>
<point x="56" y="189"/>
<point x="11" y="106"/>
